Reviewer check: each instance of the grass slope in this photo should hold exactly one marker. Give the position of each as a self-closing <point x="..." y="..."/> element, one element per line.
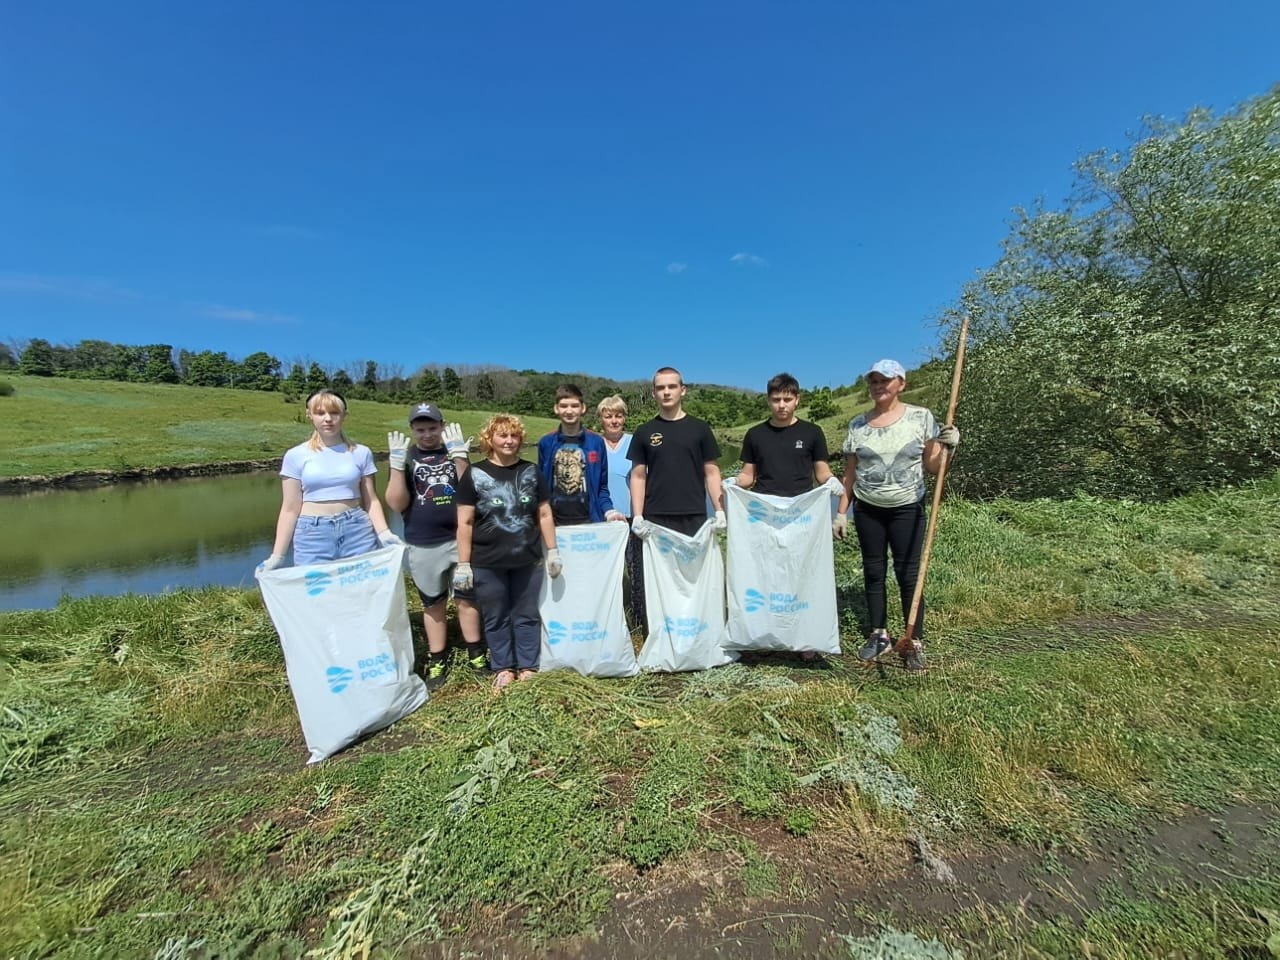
<point x="53" y="425"/>
<point x="1098" y="666"/>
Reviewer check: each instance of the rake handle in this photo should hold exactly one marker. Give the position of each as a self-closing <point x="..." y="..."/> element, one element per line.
<point x="908" y="643"/>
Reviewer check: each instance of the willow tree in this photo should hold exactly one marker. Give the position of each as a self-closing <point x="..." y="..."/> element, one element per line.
<point x="1126" y="344"/>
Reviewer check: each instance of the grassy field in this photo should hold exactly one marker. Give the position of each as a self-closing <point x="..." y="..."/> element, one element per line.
<point x="1090" y="769"/>
<point x="53" y="425"/>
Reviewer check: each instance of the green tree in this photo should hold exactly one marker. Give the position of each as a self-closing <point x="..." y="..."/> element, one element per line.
<point x="6" y="357"/>
<point x="821" y="405"/>
<point x="208" y="369"/>
<point x="452" y="386"/>
<point x="342" y="382"/>
<point x="295" y="384"/>
<point x="37" y="359"/>
<point x="484" y="388"/>
<point x="259" y="371"/>
<point x="316" y="378"/>
<point x="429" y="388"/>
<point x="370" y="380"/>
<point x="157" y="364"/>
<point x="1125" y="344"/>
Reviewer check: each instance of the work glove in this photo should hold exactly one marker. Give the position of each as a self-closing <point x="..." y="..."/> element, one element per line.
<point x="834" y="486"/>
<point x="398" y="444"/>
<point x="454" y="443"/>
<point x="554" y="564"/>
<point x="387" y="539"/>
<point x="949" y="436"/>
<point x="720" y="522"/>
<point x="641" y="527"/>
<point x="463" y="578"/>
<point x="270" y="563"/>
<point x="612" y="515"/>
<point x="839" y="526"/>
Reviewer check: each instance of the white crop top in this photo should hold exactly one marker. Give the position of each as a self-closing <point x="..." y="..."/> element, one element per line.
<point x="330" y="473"/>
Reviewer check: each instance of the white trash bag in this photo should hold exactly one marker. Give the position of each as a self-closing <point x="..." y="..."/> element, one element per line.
<point x="782" y="583"/>
<point x="344" y="627"/>
<point x="684" y="602"/>
<point x="583" y="627"/>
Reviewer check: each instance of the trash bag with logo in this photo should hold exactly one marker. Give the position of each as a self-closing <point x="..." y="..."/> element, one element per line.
<point x="344" y="627"/>
<point x="782" y="587"/>
<point x="684" y="602"/>
<point x="583" y="627"/>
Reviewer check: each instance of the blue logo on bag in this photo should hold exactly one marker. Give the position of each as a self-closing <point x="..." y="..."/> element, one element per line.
<point x="580" y="631"/>
<point x="776" y="602"/>
<point x="760" y="512"/>
<point x="685" y="628"/>
<point x="757" y="511"/>
<point x="339" y="678"/>
<point x="556" y="631"/>
<point x="682" y="553"/>
<point x="753" y="600"/>
<point x="588" y="542"/>
<point x="317" y="581"/>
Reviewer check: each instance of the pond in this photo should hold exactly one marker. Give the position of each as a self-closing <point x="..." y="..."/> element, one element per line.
<point x="135" y="538"/>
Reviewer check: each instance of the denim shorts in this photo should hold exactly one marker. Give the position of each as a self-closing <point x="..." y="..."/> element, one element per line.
<point x="343" y="535"/>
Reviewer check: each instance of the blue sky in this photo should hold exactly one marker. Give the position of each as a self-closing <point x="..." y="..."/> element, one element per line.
<point x="733" y="189"/>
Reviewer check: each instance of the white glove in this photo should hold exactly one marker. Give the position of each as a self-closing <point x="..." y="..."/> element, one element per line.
<point x="398" y="444"/>
<point x="454" y="443"/>
<point x="720" y="522"/>
<point x="554" y="564"/>
<point x="270" y="563"/>
<point x="641" y="527"/>
<point x="612" y="515"/>
<point x="387" y="539"/>
<point x="834" y="486"/>
<point x="463" y="578"/>
<point x="949" y="436"/>
<point x="839" y="526"/>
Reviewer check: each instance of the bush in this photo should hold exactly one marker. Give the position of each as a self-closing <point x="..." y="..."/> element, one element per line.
<point x="6" y="388"/>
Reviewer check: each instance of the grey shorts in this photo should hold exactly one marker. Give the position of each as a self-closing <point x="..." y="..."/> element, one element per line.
<point x="432" y="571"/>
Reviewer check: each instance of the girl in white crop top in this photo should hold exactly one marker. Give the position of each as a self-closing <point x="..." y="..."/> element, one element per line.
<point x="331" y="479"/>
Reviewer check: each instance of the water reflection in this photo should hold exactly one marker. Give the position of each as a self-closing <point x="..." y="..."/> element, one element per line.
<point x="141" y="538"/>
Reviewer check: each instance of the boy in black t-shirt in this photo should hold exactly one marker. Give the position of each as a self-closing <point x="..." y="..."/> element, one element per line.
<point x="784" y="456"/>
<point x="675" y="470"/>
<point x="424" y="479"/>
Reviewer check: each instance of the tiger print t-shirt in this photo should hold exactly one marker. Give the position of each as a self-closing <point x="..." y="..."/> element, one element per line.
<point x="890" y="472"/>
<point x="505" y="534"/>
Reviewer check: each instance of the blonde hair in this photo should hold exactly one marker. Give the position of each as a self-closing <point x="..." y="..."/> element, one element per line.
<point x="327" y="401"/>
<point x="614" y="404"/>
<point x="500" y="423"/>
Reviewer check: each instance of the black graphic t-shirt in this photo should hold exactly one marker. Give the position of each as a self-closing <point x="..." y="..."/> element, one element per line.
<point x="431" y="517"/>
<point x="784" y="456"/>
<point x="505" y="534"/>
<point x="674" y="454"/>
<point x="569" y="484"/>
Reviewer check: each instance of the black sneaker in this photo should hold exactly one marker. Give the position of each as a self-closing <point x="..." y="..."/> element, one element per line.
<point x="437" y="670"/>
<point x="477" y="658"/>
<point x="914" y="659"/>
<point x="877" y="643"/>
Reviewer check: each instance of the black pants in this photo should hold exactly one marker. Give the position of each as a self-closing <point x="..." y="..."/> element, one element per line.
<point x="881" y="529"/>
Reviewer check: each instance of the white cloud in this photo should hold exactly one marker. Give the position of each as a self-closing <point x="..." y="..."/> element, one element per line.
<point x="79" y="288"/>
<point x="677" y="267"/>
<point x="216" y="311"/>
<point x="748" y="260"/>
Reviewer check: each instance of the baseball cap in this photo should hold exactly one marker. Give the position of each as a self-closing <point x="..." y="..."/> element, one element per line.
<point x="425" y="411"/>
<point x="889" y="368"/>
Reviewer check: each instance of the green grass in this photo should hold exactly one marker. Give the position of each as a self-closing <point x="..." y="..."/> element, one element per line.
<point x="1097" y="666"/>
<point x="54" y="426"/>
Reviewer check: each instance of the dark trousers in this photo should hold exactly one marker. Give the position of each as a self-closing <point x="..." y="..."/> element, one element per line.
<point x="635" y="583"/>
<point x="508" y="602"/>
<point x="687" y="523"/>
<point x="881" y="529"/>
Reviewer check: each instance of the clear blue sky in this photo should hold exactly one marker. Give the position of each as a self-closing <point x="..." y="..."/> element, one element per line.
<point x="732" y="188"/>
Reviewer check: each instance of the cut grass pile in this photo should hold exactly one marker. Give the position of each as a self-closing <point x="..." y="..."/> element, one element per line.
<point x="54" y="426"/>
<point x="1095" y="664"/>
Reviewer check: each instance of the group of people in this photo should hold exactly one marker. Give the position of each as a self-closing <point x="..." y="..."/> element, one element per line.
<point x="485" y="532"/>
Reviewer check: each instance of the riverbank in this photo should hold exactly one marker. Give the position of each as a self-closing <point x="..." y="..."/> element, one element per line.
<point x="1089" y="768"/>
<point x="80" y="479"/>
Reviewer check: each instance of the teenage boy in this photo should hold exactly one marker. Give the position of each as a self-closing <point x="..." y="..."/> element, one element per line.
<point x="423" y="479"/>
<point x="785" y="455"/>
<point x="574" y="462"/>
<point x="674" y="465"/>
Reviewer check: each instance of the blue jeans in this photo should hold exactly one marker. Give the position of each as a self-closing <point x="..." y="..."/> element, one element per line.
<point x="508" y="602"/>
<point x="322" y="539"/>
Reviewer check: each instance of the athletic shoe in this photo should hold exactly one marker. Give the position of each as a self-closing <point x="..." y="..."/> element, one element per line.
<point x="877" y="643"/>
<point x="477" y="659"/>
<point x="503" y="679"/>
<point x="437" y="671"/>
<point x="915" y="660"/>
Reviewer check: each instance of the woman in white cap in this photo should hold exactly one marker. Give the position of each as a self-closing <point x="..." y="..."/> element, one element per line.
<point x="887" y="451"/>
<point x="329" y="508"/>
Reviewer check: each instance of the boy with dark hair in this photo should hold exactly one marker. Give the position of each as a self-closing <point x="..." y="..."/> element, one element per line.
<point x="674" y="465"/>
<point x="423" y="480"/>
<point x="785" y="455"/>
<point x="575" y="464"/>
